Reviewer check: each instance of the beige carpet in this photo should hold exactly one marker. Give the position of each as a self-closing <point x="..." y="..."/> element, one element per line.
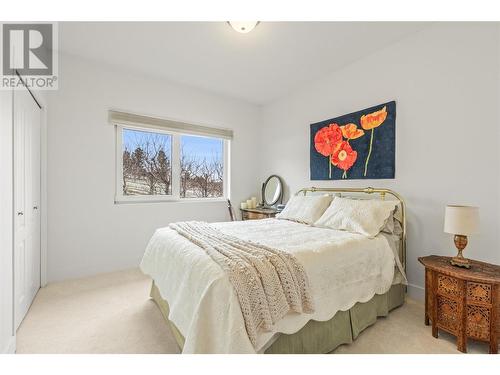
<point x="112" y="313"/>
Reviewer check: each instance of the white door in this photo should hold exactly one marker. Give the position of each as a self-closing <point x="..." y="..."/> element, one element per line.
<point x="26" y="202"/>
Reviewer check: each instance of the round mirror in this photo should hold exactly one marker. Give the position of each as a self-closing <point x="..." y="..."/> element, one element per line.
<point x="272" y="191"/>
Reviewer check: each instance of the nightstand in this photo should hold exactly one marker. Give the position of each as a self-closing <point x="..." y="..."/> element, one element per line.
<point x="257" y="213"/>
<point x="463" y="302"/>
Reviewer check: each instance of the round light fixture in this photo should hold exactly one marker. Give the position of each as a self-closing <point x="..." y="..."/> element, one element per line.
<point x="243" y="27"/>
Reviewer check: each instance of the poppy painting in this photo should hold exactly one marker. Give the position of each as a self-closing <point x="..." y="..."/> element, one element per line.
<point x="360" y="145"/>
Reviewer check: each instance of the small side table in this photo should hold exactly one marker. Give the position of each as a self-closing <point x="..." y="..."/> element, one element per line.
<point x="463" y="302"/>
<point x="257" y="213"/>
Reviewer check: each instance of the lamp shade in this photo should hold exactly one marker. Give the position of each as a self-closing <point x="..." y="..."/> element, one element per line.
<point x="461" y="220"/>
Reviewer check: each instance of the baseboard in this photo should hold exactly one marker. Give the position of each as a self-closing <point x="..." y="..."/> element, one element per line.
<point x="10" y="348"/>
<point x="416" y="292"/>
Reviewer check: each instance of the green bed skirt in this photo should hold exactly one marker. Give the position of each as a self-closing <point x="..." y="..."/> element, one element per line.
<point x="318" y="337"/>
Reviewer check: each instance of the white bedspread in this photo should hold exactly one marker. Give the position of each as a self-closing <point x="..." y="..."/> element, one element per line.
<point x="343" y="269"/>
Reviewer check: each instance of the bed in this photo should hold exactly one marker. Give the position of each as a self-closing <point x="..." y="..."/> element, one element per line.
<point x="353" y="279"/>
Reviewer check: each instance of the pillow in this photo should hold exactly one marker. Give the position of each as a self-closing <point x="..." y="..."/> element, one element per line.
<point x="305" y="209"/>
<point x="366" y="217"/>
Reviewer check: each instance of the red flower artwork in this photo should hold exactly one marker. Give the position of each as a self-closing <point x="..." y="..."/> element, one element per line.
<point x="343" y="143"/>
<point x="351" y="131"/>
<point x="370" y="122"/>
<point x="344" y="158"/>
<point x="327" y="141"/>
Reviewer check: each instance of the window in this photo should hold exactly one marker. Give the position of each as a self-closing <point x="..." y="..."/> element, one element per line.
<point x="202" y="167"/>
<point x="146" y="163"/>
<point x="165" y="164"/>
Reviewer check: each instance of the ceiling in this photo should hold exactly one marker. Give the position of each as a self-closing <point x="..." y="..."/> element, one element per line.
<point x="259" y="67"/>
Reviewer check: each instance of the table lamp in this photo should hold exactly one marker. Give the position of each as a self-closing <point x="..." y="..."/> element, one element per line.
<point x="461" y="221"/>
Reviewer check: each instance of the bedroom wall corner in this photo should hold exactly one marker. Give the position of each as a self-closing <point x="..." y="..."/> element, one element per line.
<point x="87" y="232"/>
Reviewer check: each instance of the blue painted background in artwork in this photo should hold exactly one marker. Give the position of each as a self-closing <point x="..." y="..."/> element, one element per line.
<point x="382" y="159"/>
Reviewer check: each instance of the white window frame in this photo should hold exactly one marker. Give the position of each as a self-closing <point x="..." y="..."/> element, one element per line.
<point x="175" y="155"/>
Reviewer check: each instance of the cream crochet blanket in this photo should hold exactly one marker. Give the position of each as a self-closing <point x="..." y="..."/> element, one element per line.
<point x="269" y="282"/>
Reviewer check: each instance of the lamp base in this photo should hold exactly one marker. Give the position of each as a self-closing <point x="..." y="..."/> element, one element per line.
<point x="459" y="260"/>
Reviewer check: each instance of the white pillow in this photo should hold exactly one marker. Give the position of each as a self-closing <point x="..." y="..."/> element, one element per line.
<point x="366" y="217"/>
<point x="305" y="209"/>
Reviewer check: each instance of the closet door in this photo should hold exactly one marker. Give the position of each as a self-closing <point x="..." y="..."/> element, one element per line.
<point x="26" y="202"/>
<point x="34" y="194"/>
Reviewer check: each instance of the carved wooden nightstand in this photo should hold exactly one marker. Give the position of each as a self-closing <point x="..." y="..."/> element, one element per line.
<point x="463" y="302"/>
<point x="257" y="213"/>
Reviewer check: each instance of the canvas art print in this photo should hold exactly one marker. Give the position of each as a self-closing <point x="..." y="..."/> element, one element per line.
<point x="360" y="145"/>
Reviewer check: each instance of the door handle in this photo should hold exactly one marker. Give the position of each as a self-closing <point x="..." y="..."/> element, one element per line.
<point x="35" y="207"/>
<point x="20" y="213"/>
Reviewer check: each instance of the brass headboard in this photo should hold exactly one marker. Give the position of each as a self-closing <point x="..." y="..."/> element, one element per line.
<point x="370" y="190"/>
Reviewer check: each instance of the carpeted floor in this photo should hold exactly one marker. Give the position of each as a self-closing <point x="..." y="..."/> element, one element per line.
<point x="112" y="313"/>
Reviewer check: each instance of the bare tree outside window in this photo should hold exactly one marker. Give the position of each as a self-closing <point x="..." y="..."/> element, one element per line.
<point x="147" y="163"/>
<point x="202" y="167"/>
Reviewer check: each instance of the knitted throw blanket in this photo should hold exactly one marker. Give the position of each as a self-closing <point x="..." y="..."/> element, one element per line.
<point x="269" y="282"/>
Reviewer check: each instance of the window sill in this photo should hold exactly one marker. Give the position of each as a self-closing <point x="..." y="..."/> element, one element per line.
<point x="122" y="200"/>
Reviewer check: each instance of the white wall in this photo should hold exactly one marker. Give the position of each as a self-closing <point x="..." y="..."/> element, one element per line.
<point x="87" y="232"/>
<point x="6" y="283"/>
<point x="445" y="80"/>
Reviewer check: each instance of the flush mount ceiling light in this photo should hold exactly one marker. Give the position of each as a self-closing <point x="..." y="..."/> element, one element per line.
<point x="243" y="27"/>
